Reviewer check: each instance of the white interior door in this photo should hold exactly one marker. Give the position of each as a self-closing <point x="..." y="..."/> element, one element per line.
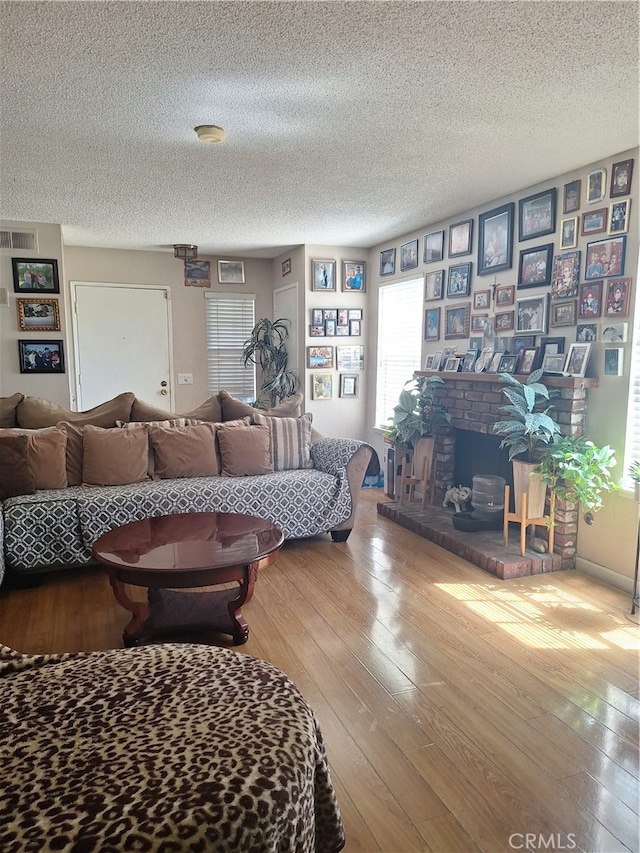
<point x="122" y="336"/>
<point x="285" y="304"/>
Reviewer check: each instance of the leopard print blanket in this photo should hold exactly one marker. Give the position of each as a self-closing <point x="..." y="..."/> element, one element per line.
<point x="160" y="748"/>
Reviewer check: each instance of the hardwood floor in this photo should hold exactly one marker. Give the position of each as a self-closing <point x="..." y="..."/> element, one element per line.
<point x="460" y="712"/>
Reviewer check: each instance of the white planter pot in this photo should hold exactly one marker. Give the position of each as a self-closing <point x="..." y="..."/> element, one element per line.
<point x="531" y="484"/>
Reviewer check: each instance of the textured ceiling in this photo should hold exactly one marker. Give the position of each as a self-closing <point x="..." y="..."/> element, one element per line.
<point x="347" y="123"/>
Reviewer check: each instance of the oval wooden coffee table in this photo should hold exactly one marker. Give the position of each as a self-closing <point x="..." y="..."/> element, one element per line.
<point x="170" y="554"/>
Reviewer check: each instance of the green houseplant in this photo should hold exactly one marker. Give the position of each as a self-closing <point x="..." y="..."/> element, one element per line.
<point x="417" y="412"/>
<point x="578" y="470"/>
<point x="266" y="347"/>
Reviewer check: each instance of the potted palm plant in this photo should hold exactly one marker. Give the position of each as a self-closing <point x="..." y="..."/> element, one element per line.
<point x="266" y="347"/>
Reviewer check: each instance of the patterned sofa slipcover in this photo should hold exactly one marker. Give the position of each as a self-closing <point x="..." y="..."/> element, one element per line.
<point x="55" y="529"/>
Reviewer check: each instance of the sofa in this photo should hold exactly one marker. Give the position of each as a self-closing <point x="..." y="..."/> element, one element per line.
<point x="68" y="477"/>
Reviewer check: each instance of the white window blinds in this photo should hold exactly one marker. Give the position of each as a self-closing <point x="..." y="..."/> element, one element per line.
<point x="230" y="317"/>
<point x="399" y="343"/>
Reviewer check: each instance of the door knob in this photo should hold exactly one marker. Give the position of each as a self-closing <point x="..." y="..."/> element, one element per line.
<point x="164" y="392"/>
<point x="163" y="384"/>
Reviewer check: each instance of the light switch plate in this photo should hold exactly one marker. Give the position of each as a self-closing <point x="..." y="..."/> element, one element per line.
<point x="185" y="379"/>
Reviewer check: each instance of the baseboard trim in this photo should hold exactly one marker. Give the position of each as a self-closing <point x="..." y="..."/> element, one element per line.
<point x="605" y="575"/>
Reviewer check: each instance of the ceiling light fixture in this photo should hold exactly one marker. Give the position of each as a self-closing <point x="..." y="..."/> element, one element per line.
<point x="210" y="133"/>
<point x="185" y="251"/>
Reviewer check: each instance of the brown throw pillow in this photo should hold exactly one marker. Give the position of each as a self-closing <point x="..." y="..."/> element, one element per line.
<point x="48" y="458"/>
<point x="114" y="457"/>
<point x="36" y="413"/>
<point x="74" y="452"/>
<point x="232" y="408"/>
<point x="15" y="472"/>
<point x="209" y="411"/>
<point x="188" y="451"/>
<point x="244" y="450"/>
<point x="8" y="406"/>
<point x="290" y="441"/>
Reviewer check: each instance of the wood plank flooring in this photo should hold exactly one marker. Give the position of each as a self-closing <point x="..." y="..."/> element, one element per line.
<point x="460" y="712"/>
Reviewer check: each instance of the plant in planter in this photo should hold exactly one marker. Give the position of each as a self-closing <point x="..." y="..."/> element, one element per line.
<point x="578" y="470"/>
<point x="417" y="412"/>
<point x="266" y="348"/>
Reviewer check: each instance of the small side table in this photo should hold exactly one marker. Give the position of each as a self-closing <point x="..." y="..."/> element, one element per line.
<point x="525" y="522"/>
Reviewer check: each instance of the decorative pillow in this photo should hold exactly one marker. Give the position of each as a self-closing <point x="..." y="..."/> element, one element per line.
<point x="244" y="450"/>
<point x="47" y="453"/>
<point x="232" y="408"/>
<point x="290" y="441"/>
<point x="35" y="413"/>
<point x="185" y="451"/>
<point x="74" y="451"/>
<point x="114" y="457"/>
<point x="209" y="411"/>
<point x="8" y="406"/>
<point x="15" y="472"/>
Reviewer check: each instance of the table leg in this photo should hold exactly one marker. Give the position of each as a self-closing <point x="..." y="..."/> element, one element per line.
<point x="138" y="609"/>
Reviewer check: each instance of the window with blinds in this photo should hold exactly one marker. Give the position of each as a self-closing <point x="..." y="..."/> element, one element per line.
<point x="230" y="317"/>
<point x="399" y="343"/>
<point x="632" y="436"/>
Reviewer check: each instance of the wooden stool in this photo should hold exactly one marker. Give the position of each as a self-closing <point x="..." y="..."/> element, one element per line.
<point x="524" y="522"/>
<point x="409" y="481"/>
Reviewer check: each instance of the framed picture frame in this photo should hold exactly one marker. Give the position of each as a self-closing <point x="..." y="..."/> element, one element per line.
<point x="387" y="262"/>
<point x="317" y="317"/>
<point x="569" y="233"/>
<point x="605" y="258"/>
<point x="594" y="222"/>
<point x="621" y="178"/>
<point x="286" y="267"/>
<point x="433" y="285"/>
<point x="523" y="342"/>
<point x="38" y="315"/>
<point x="437" y="360"/>
<point x="534" y="266"/>
<point x="590" y="300"/>
<point x="35" y="276"/>
<point x="355" y="328"/>
<point x="617" y="298"/>
<point x="459" y="280"/>
<point x="476" y="342"/>
<point x="481" y="299"/>
<point x="319" y="357"/>
<point x="571" y="196"/>
<point x="494" y="364"/>
<point x="343" y="331"/>
<point x="596" y="186"/>
<point x="197" y="273"/>
<point x="504" y="321"/>
<point x="321" y="386"/>
<point x="577" y="358"/>
<point x="460" y="236"/>
<point x="613" y="361"/>
<point x="495" y="239"/>
<point x="505" y="295"/>
<point x="354" y="314"/>
<point x="456" y="321"/>
<point x="316" y="331"/>
<point x="551" y="346"/>
<point x="554" y="362"/>
<point x="323" y="274"/>
<point x="348" y="387"/>
<point x="433" y="247"/>
<point x="353" y="276"/>
<point x="537" y="214"/>
<point x="587" y="333"/>
<point x="409" y="255"/>
<point x="565" y="275"/>
<point x="503" y="343"/>
<point x="531" y="315"/>
<point x="452" y="364"/>
<point x="41" y="356"/>
<point x="477" y="322"/>
<point x="469" y="360"/>
<point x="350" y="358"/>
<point x="527" y="360"/>
<point x="329" y="314"/>
<point x="432" y="324"/>
<point x="231" y="272"/>
<point x="330" y="328"/>
<point x="508" y="363"/>
<point x="614" y="333"/>
<point x="564" y="313"/>
<point x="619" y="216"/>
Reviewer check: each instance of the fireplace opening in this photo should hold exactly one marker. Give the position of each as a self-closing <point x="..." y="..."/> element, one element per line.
<point x="479" y="453"/>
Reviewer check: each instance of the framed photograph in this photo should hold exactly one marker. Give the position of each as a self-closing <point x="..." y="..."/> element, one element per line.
<point x="503" y="343"/>
<point x="354" y="314"/>
<point x="551" y="346"/>
<point x="353" y="276"/>
<point x="319" y="356"/>
<point x="554" y="363"/>
<point x="616" y="333"/>
<point x="563" y="313"/>
<point x="586" y="333"/>
<point x="569" y="233"/>
<point x="494" y="364"/>
<point x="505" y="295"/>
<point x="317" y="317"/>
<point x="343" y="331"/>
<point x="342" y="317"/>
<point x="432" y="324"/>
<point x="41" y="356"/>
<point x="504" y="321"/>
<point x="459" y="280"/>
<point x="537" y="214"/>
<point x="452" y="364"/>
<point x="522" y="343"/>
<point x="613" y="361"/>
<point x="433" y="285"/>
<point x="571" y="197"/>
<point x="565" y="275"/>
<point x="534" y="266"/>
<point x="330" y="328"/>
<point x="286" y="267"/>
<point x="197" y="273"/>
<point x="387" y="262"/>
<point x="230" y="272"/>
<point x="495" y="239"/>
<point x="619" y="216"/>
<point x="621" y="178"/>
<point x="476" y="342"/>
<point x="481" y="299"/>
<point x="531" y="315"/>
<point x="349" y="385"/>
<point x="350" y="358"/>
<point x="605" y="257"/>
<point x="488" y="328"/>
<point x="456" y="321"/>
<point x="508" y="363"/>
<point x="590" y="300"/>
<point x="577" y="358"/>
<point x="329" y="314"/>
<point x="437" y="360"/>
<point x="316" y="331"/>
<point x="35" y="276"/>
<point x="321" y="386"/>
<point x="477" y="322"/>
<point x="468" y="361"/>
<point x="460" y="235"/>
<point x="433" y="247"/>
<point x="527" y="360"/>
<point x="38" y="315"/>
<point x="409" y="255"/>
<point x="594" y="222"/>
<point x="323" y="275"/>
<point x="428" y="362"/>
<point x="617" y="298"/>
<point x="355" y="328"/>
<point x="596" y="185"/>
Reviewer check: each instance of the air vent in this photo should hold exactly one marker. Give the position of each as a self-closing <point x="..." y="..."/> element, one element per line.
<point x="19" y="240"/>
